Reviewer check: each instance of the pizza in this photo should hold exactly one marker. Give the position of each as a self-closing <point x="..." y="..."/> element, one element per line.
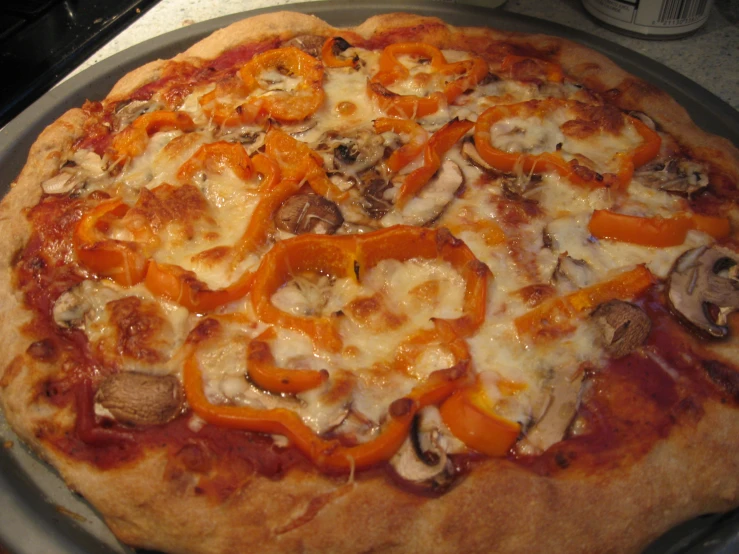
<point x="403" y="287"/>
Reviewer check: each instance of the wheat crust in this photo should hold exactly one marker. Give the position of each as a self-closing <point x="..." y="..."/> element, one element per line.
<point x="498" y="507"/>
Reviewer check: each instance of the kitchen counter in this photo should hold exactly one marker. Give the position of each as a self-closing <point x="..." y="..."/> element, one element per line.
<point x="710" y="57"/>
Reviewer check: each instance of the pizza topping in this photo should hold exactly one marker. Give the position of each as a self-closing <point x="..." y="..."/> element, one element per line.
<point x="286" y="83"/>
<point x="703" y="288"/>
<point x="308" y="213"/>
<point x="430" y="202"/>
<point x="422" y="460"/>
<point x="310" y="44"/>
<point x="128" y="110"/>
<point x="674" y="175"/>
<point x="332" y="50"/>
<point x="141" y="399"/>
<point x="70" y="309"/>
<point x="624" y="326"/>
<point x="556" y="415"/>
<point x="532" y="151"/>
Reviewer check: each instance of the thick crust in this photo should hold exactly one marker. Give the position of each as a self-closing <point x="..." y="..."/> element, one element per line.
<point x="498" y="507"/>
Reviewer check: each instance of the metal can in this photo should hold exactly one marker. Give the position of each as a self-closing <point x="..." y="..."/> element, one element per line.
<point x="651" y="19"/>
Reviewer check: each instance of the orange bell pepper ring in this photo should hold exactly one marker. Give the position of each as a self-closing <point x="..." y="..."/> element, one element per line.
<point x="470" y="416"/>
<point x="469" y="73"/>
<point x="417" y="139"/>
<point x="327" y="255"/>
<point x="265" y="374"/>
<point x="517" y="65"/>
<point x="215" y="157"/>
<point x="554" y="317"/>
<point x="181" y="286"/>
<point x="298" y="162"/>
<point x="132" y="140"/>
<point x="327" y="454"/>
<point x="331" y="50"/>
<point x="122" y="261"/>
<point x="654" y="231"/>
<point x="284" y="105"/>
<point x="222" y="106"/>
<point x="553" y="161"/>
<point x="439" y="143"/>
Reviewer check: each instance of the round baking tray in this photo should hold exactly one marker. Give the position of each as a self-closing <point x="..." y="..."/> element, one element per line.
<point x="38" y="514"/>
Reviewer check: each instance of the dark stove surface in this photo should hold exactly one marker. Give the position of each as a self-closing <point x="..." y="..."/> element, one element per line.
<point x="41" y="41"/>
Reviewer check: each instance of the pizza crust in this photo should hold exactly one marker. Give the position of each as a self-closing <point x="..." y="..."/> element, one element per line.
<point x="620" y="509"/>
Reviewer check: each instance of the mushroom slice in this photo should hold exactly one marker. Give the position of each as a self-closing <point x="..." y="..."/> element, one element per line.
<point x="70" y="309"/>
<point x="308" y="213"/>
<point x="310" y="44"/>
<point x="422" y="461"/>
<point x="128" y="110"/>
<point x="556" y="416"/>
<point x="623" y="326"/>
<point x="352" y="152"/>
<point x="672" y="175"/>
<point x="374" y="186"/>
<point x="573" y="271"/>
<point x="141" y="399"/>
<point x="298" y="127"/>
<point x="703" y="288"/>
<point x="432" y="200"/>
<point x="61" y="183"/>
<point x="469" y="153"/>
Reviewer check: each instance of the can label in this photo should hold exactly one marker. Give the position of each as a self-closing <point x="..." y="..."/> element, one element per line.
<point x="651" y="17"/>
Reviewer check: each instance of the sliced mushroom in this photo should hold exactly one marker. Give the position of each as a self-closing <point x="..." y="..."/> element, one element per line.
<point x="572" y="271"/>
<point x="128" y="110"/>
<point x="298" y="127"/>
<point x="308" y="213"/>
<point x="374" y="186"/>
<point x="352" y="152"/>
<point x="310" y="44"/>
<point x="623" y="326"/>
<point x="703" y="288"/>
<point x="252" y="139"/>
<point x="469" y="153"/>
<point x="673" y="175"/>
<point x="432" y="200"/>
<point x="644" y="118"/>
<point x="555" y="414"/>
<point x="141" y="399"/>
<point x="61" y="183"/>
<point x="422" y="461"/>
<point x="70" y="309"/>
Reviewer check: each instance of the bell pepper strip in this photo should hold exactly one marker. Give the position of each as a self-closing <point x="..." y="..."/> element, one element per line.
<point x="263" y="372"/>
<point x="122" y="261"/>
<point x="298" y="162"/>
<point x="439" y="143"/>
<point x="331" y="50"/>
<point x="285" y="106"/>
<point x="181" y="286"/>
<point x="418" y="137"/>
<point x="215" y="157"/>
<point x="515" y="65"/>
<point x="554" y="317"/>
<point x="132" y="140"/>
<point x="327" y="454"/>
<point x="411" y="106"/>
<point x="654" y="231"/>
<point x="332" y="256"/>
<point x="470" y="416"/>
<point x="552" y="161"/>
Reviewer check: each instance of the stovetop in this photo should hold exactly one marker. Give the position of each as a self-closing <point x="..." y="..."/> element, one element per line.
<point x="41" y="41"/>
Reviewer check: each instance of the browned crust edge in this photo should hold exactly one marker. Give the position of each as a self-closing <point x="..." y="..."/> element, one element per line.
<point x="695" y="470"/>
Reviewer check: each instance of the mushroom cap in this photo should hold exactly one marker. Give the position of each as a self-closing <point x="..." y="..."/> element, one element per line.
<point x="623" y="326"/>
<point x="703" y="288"/>
<point x="308" y="213"/>
<point x="141" y="399"/>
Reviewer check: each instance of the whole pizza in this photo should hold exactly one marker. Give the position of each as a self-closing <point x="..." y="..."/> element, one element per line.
<point x="402" y="287"/>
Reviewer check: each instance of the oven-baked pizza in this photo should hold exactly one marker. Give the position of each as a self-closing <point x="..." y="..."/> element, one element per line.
<point x="403" y="287"/>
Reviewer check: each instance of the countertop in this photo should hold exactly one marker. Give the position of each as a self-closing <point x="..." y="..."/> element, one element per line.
<point x="710" y="57"/>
